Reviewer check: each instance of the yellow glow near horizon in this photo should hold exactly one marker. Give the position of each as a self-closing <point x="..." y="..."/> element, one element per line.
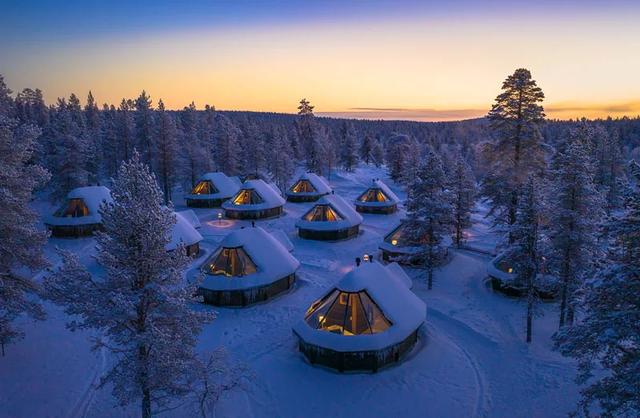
<point x="453" y="67"/>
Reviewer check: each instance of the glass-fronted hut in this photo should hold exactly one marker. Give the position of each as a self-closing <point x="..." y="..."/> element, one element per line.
<point x="402" y="244"/>
<point x="331" y="218"/>
<point x="504" y="278"/>
<point x="378" y="199"/>
<point x="308" y="188"/>
<point x="212" y="190"/>
<point x="79" y="215"/>
<point x="255" y="200"/>
<point x="368" y="320"/>
<point x="249" y="266"/>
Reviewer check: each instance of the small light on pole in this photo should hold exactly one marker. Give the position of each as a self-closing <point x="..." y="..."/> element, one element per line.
<point x="220" y="217"/>
<point x="365" y="257"/>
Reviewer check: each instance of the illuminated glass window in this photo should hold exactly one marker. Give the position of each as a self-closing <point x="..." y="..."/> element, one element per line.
<point x="322" y="213"/>
<point x="373" y="195"/>
<point x="303" y="186"/>
<point x="230" y="262"/>
<point x="73" y="208"/>
<point x="347" y="313"/>
<point x="247" y="197"/>
<point x="405" y="236"/>
<point x="204" y="187"/>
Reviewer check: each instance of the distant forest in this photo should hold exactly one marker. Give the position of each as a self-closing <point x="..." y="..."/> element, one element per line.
<point x="81" y="142"/>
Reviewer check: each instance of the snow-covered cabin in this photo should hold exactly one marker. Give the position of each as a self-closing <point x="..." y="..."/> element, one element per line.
<point x="378" y="199"/>
<point x="255" y="200"/>
<point x="331" y="218"/>
<point x="368" y="320"/>
<point x="249" y="266"/>
<point x="401" y="244"/>
<point x="308" y="188"/>
<point x="212" y="190"/>
<point x="504" y="279"/>
<point x="184" y="231"/>
<point x="79" y="215"/>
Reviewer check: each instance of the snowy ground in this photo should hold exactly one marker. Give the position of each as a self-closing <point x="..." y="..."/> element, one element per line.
<point x="470" y="361"/>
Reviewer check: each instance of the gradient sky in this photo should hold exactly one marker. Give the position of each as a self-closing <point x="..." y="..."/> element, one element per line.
<point x="417" y="60"/>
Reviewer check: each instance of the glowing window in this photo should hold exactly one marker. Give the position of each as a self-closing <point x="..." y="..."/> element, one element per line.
<point x="230" y="262"/>
<point x="347" y="313"/>
<point x="373" y="195"/>
<point x="73" y="208"/>
<point x="204" y="187"/>
<point x="322" y="213"/>
<point x="405" y="236"/>
<point x="247" y="197"/>
<point x="303" y="186"/>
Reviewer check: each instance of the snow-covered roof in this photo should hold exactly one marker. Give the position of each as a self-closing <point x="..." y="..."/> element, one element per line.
<point x="379" y="184"/>
<point x="319" y="183"/>
<point x="273" y="261"/>
<point x="388" y="288"/>
<point x="191" y="216"/>
<point x="183" y="231"/>
<point x="349" y="216"/>
<point x="226" y="186"/>
<point x="283" y="238"/>
<point x="497" y="266"/>
<point x="92" y="196"/>
<point x="271" y="197"/>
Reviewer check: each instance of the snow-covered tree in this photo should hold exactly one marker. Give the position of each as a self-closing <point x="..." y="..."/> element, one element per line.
<point x="515" y="119"/>
<point x="280" y="162"/>
<point x="144" y="126"/>
<point x="140" y="306"/>
<point x="227" y="147"/>
<point x="67" y="150"/>
<point x="21" y="241"/>
<point x="93" y="137"/>
<point x="462" y="185"/>
<point x="609" y="166"/>
<point x="575" y="212"/>
<point x="126" y="131"/>
<point x="193" y="153"/>
<point x="429" y="209"/>
<point x="253" y="150"/>
<point x="348" y="147"/>
<point x="377" y="153"/>
<point x="366" y="148"/>
<point x="606" y="342"/>
<point x="525" y="251"/>
<point x="166" y="136"/>
<point x="401" y="157"/>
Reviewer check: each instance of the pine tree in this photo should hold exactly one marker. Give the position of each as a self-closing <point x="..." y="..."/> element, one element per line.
<point x="125" y="130"/>
<point x="607" y="340"/>
<point x="399" y="156"/>
<point x="21" y="241"/>
<point x="166" y="150"/>
<point x="609" y="166"/>
<point x="253" y="150"/>
<point x="93" y="136"/>
<point x="141" y="306"/>
<point x="227" y="147"/>
<point x="463" y="188"/>
<point x="429" y="209"/>
<point x="348" y="145"/>
<point x="144" y="126"/>
<point x="7" y="107"/>
<point x="525" y="251"/>
<point x="515" y="119"/>
<point x="575" y="212"/>
<point x="366" y="148"/>
<point x="191" y="150"/>
<point x="67" y="150"/>
<point x="305" y="108"/>
<point x="377" y="153"/>
<point x="280" y="162"/>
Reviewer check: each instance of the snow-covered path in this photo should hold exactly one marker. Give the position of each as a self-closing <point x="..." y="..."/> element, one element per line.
<point x="471" y="359"/>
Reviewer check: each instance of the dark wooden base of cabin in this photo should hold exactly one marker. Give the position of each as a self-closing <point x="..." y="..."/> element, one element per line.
<point x="377" y="210"/>
<point x="339" y="234"/>
<point x="517" y="292"/>
<point x="73" y="231"/>
<point x="254" y="214"/>
<point x="205" y="203"/>
<point x="301" y="199"/>
<point x="246" y="297"/>
<point x="358" y="360"/>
